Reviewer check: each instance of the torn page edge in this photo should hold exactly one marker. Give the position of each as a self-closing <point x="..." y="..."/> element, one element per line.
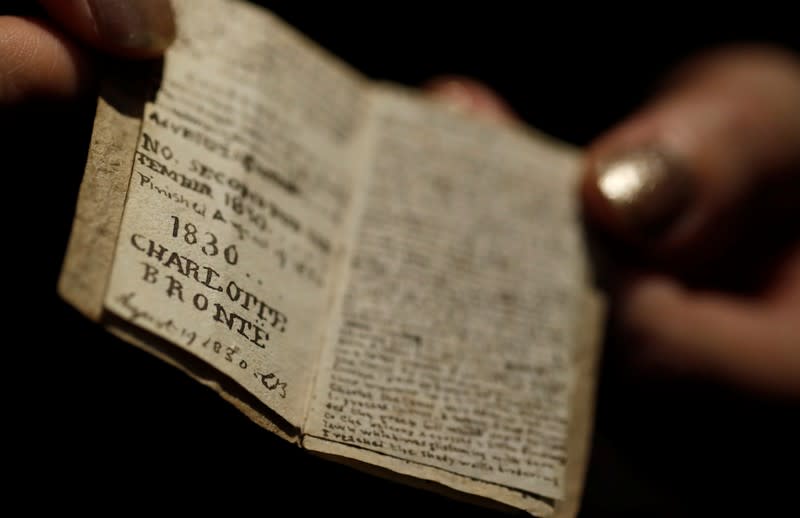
<point x="432" y="479"/>
<point x="87" y="264"/>
<point x="204" y="374"/>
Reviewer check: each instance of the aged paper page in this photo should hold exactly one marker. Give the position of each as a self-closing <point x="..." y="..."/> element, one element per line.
<point x="464" y="312"/>
<point x="234" y="213"/>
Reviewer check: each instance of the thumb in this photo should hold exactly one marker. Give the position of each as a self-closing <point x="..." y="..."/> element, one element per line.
<point x="675" y="176"/>
<point x="128" y="28"/>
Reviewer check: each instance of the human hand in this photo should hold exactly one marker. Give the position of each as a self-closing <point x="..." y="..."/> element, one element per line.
<point x="699" y="195"/>
<point x="48" y="57"/>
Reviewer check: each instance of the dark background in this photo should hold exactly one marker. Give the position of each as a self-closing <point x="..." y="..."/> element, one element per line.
<point x="94" y="420"/>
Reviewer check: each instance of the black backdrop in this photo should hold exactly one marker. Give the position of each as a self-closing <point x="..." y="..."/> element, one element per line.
<point x="96" y="424"/>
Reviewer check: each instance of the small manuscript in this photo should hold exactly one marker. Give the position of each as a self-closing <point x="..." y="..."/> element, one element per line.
<point x="378" y="279"/>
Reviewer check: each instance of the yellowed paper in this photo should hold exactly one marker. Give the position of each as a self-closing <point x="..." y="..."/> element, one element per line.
<point x="232" y="218"/>
<point x="459" y="326"/>
<point x="585" y="361"/>
<point x="87" y="263"/>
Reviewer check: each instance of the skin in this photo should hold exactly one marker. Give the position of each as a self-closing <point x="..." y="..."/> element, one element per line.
<point x="51" y="58"/>
<point x="733" y="118"/>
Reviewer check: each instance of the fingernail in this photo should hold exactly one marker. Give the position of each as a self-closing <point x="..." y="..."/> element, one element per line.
<point x="647" y="189"/>
<point x="134" y="24"/>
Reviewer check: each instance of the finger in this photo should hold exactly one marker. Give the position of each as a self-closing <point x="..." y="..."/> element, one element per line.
<point x="129" y="28"/>
<point x="470" y="96"/>
<point x="38" y="62"/>
<point x="677" y="173"/>
<point x="757" y="346"/>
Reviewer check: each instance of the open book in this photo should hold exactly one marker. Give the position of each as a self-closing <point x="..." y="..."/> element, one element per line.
<point x="368" y="275"/>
